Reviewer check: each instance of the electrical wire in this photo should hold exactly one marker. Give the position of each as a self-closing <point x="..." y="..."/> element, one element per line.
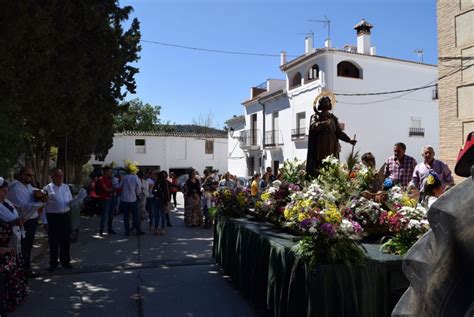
<point x="214" y="50"/>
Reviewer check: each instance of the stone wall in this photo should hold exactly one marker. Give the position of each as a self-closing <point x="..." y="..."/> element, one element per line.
<point x="456" y="85"/>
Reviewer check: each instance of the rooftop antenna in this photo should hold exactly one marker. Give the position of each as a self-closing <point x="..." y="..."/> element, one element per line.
<point x="420" y="53"/>
<point x="326" y="22"/>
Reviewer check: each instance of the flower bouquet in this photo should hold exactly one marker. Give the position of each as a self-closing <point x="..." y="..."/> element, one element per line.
<point x="273" y="201"/>
<point x="407" y="225"/>
<point x="231" y="202"/>
<point x="329" y="236"/>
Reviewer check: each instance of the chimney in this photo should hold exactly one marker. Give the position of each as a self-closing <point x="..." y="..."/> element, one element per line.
<point x="373" y="51"/>
<point x="308" y="43"/>
<point x="282" y="58"/>
<point x="327" y="43"/>
<point x="363" y="36"/>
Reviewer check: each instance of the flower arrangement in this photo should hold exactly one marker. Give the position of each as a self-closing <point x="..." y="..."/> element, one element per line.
<point x="407" y="224"/>
<point x="231" y="202"/>
<point x="293" y="172"/>
<point x="335" y="178"/>
<point x="273" y="201"/>
<point x="329" y="236"/>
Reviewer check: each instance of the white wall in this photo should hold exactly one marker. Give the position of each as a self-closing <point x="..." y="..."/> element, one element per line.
<point x="168" y="152"/>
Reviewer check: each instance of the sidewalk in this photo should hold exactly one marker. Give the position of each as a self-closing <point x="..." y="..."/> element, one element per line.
<point x="116" y="275"/>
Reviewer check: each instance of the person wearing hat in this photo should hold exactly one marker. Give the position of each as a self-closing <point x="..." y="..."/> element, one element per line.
<point x="324" y="135"/>
<point x="12" y="276"/>
<point x="56" y="221"/>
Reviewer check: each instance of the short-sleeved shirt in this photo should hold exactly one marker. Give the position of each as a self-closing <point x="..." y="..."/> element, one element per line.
<point x="422" y="171"/>
<point x="400" y="172"/>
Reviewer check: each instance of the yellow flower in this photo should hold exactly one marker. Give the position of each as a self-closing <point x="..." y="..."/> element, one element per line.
<point x="265" y="196"/>
<point x="332" y="215"/>
<point x="302" y="216"/>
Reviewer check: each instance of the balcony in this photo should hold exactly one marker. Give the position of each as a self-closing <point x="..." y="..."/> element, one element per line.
<point x="273" y="139"/>
<point x="250" y="139"/>
<point x="299" y="134"/>
<point x="416" y="132"/>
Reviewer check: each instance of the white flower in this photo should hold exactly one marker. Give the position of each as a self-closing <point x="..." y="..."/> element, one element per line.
<point x="413" y="223"/>
<point x="347" y="227"/>
<point x="331" y="160"/>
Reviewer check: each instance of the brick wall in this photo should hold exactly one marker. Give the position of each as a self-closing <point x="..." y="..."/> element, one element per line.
<point x="451" y="126"/>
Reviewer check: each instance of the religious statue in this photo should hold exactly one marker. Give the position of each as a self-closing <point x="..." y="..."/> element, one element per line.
<point x="324" y="134"/>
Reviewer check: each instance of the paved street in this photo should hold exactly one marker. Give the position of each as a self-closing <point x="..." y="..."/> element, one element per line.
<point x="115" y="275"/>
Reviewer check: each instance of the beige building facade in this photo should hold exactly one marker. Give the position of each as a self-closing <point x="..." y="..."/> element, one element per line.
<point x="456" y="75"/>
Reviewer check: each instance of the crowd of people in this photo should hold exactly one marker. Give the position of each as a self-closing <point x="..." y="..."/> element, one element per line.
<point x="427" y="179"/>
<point x="138" y="196"/>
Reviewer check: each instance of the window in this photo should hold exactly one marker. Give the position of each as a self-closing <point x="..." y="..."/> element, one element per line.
<point x="139" y="142"/>
<point x="465" y="28"/>
<point x="296" y="80"/>
<point x="209" y="147"/>
<point x="348" y="69"/>
<point x="313" y="73"/>
<point x="140" y="146"/>
<point x="415" y="128"/>
<point x="465" y="106"/>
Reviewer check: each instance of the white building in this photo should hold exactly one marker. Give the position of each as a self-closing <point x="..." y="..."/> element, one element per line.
<point x="277" y="115"/>
<point x="170" y="151"/>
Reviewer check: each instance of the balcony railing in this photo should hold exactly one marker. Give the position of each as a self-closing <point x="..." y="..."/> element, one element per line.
<point x="273" y="138"/>
<point x="416" y="132"/>
<point x="299" y="133"/>
<point x="250" y="138"/>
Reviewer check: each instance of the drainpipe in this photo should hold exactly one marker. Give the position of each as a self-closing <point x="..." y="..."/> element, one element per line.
<point x="262" y="168"/>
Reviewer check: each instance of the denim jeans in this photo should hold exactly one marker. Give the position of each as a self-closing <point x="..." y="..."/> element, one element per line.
<point x="106" y="213"/>
<point x="126" y="208"/>
<point x="159" y="215"/>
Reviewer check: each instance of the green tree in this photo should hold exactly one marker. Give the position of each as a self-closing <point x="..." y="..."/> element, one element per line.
<point x="136" y="116"/>
<point x="65" y="67"/>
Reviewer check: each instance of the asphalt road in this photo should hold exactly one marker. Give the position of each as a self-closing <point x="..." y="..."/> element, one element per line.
<point x="115" y="275"/>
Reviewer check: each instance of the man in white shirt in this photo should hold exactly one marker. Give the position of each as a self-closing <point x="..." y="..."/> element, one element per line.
<point x="131" y="187"/>
<point x="56" y="221"/>
<point x="20" y="193"/>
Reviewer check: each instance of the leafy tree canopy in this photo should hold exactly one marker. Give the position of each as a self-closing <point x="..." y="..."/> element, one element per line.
<point x="134" y="115"/>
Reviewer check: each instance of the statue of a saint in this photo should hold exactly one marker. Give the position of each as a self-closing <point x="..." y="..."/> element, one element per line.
<point x="324" y="136"/>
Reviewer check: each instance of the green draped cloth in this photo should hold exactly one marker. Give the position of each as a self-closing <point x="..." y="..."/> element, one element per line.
<point x="258" y="258"/>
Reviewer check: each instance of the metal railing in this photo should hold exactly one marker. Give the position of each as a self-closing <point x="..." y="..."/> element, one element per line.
<point x="250" y="138"/>
<point x="298" y="133"/>
<point x="272" y="138"/>
<point x="416" y="132"/>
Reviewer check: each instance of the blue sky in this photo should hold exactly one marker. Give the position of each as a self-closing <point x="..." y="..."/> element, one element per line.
<point x="191" y="84"/>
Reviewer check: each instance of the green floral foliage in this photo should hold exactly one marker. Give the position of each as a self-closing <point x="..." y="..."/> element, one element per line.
<point x="293" y="171"/>
<point x="322" y="250"/>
